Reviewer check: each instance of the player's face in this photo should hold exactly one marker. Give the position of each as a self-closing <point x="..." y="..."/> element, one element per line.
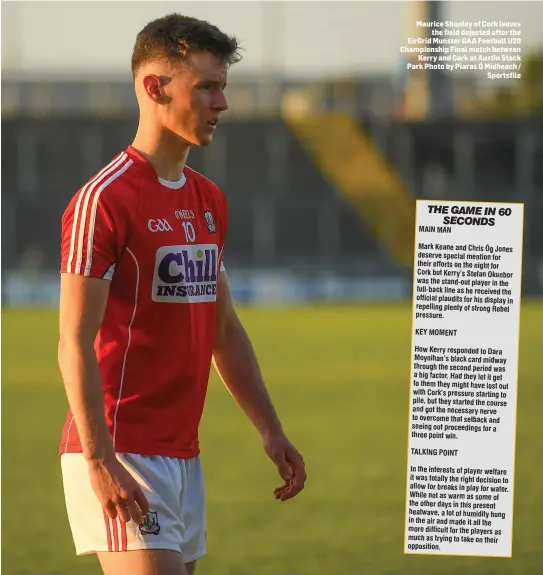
<point x="197" y="98"/>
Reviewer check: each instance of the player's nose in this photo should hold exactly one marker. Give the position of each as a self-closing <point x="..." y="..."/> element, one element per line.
<point x="220" y="102"/>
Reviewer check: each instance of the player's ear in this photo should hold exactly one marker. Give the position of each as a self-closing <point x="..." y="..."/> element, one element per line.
<point x="154" y="88"/>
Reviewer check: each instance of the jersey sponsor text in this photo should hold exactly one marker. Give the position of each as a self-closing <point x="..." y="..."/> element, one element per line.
<point x="186" y="274"/>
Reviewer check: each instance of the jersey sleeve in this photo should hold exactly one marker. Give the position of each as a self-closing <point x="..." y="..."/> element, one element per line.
<point x="90" y="239"/>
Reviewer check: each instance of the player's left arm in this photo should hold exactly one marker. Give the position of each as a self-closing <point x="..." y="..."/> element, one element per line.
<point x="235" y="361"/>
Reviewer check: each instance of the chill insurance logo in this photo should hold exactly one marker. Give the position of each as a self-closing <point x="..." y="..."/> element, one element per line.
<point x="186" y="274"/>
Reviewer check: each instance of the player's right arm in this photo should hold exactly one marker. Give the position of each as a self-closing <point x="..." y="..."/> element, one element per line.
<point x="90" y="244"/>
<point x="83" y="302"/>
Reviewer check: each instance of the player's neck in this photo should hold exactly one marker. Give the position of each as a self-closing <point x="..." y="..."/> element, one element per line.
<point x="166" y="152"/>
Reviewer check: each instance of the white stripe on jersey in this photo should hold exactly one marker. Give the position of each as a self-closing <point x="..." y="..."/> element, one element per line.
<point x="92" y="224"/>
<point x="88" y="194"/>
<point x="119" y="397"/>
<point x="68" y="434"/>
<point x="82" y="193"/>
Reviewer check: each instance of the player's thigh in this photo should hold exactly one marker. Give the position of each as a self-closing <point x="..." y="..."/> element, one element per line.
<point x="143" y="562"/>
<point x="191" y="568"/>
<point x="93" y="531"/>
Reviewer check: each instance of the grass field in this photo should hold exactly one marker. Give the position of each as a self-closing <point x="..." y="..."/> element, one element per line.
<point x="340" y="380"/>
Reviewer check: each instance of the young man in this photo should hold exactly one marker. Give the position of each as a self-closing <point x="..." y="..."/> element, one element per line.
<point x="145" y="308"/>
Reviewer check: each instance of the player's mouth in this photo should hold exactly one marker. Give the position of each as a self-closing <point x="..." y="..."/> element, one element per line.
<point x="213" y="123"/>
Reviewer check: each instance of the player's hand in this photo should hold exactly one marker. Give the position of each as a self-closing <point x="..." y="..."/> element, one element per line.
<point x="118" y="492"/>
<point x="290" y="465"/>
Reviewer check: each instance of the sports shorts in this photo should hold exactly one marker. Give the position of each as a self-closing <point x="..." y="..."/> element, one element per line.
<point x="177" y="510"/>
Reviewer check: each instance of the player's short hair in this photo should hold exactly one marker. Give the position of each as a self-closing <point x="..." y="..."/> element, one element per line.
<point x="175" y="36"/>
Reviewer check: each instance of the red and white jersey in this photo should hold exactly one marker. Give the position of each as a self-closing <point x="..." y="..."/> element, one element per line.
<point x="160" y="244"/>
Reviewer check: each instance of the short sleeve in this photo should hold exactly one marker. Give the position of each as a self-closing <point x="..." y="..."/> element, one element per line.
<point x="89" y="242"/>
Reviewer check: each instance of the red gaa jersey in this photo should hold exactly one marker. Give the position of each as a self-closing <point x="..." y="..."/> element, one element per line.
<point x="160" y="244"/>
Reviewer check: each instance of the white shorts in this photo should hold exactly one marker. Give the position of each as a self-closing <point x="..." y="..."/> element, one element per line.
<point x="177" y="512"/>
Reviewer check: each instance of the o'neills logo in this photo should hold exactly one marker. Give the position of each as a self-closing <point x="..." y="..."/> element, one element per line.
<point x="186" y="274"/>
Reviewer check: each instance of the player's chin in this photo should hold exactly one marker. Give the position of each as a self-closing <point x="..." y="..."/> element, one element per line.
<point x="202" y="141"/>
<point x="199" y="137"/>
<point x="205" y="136"/>
<point x="207" y="141"/>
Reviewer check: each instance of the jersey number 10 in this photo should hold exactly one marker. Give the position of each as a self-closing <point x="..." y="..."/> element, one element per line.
<point x="190" y="233"/>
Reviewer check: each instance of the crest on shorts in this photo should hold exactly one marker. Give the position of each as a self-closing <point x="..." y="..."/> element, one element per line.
<point x="149" y="525"/>
<point x="210" y="223"/>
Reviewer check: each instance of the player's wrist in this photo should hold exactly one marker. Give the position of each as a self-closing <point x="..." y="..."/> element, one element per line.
<point x="271" y="430"/>
<point x="99" y="456"/>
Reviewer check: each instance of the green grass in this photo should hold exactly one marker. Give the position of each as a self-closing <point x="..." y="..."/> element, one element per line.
<point x="339" y="378"/>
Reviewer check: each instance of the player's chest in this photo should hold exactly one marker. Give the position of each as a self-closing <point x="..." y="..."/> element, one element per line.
<point x="183" y="219"/>
<point x="177" y="245"/>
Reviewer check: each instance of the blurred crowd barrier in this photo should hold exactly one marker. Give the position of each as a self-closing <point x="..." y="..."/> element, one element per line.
<point x="321" y="182"/>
